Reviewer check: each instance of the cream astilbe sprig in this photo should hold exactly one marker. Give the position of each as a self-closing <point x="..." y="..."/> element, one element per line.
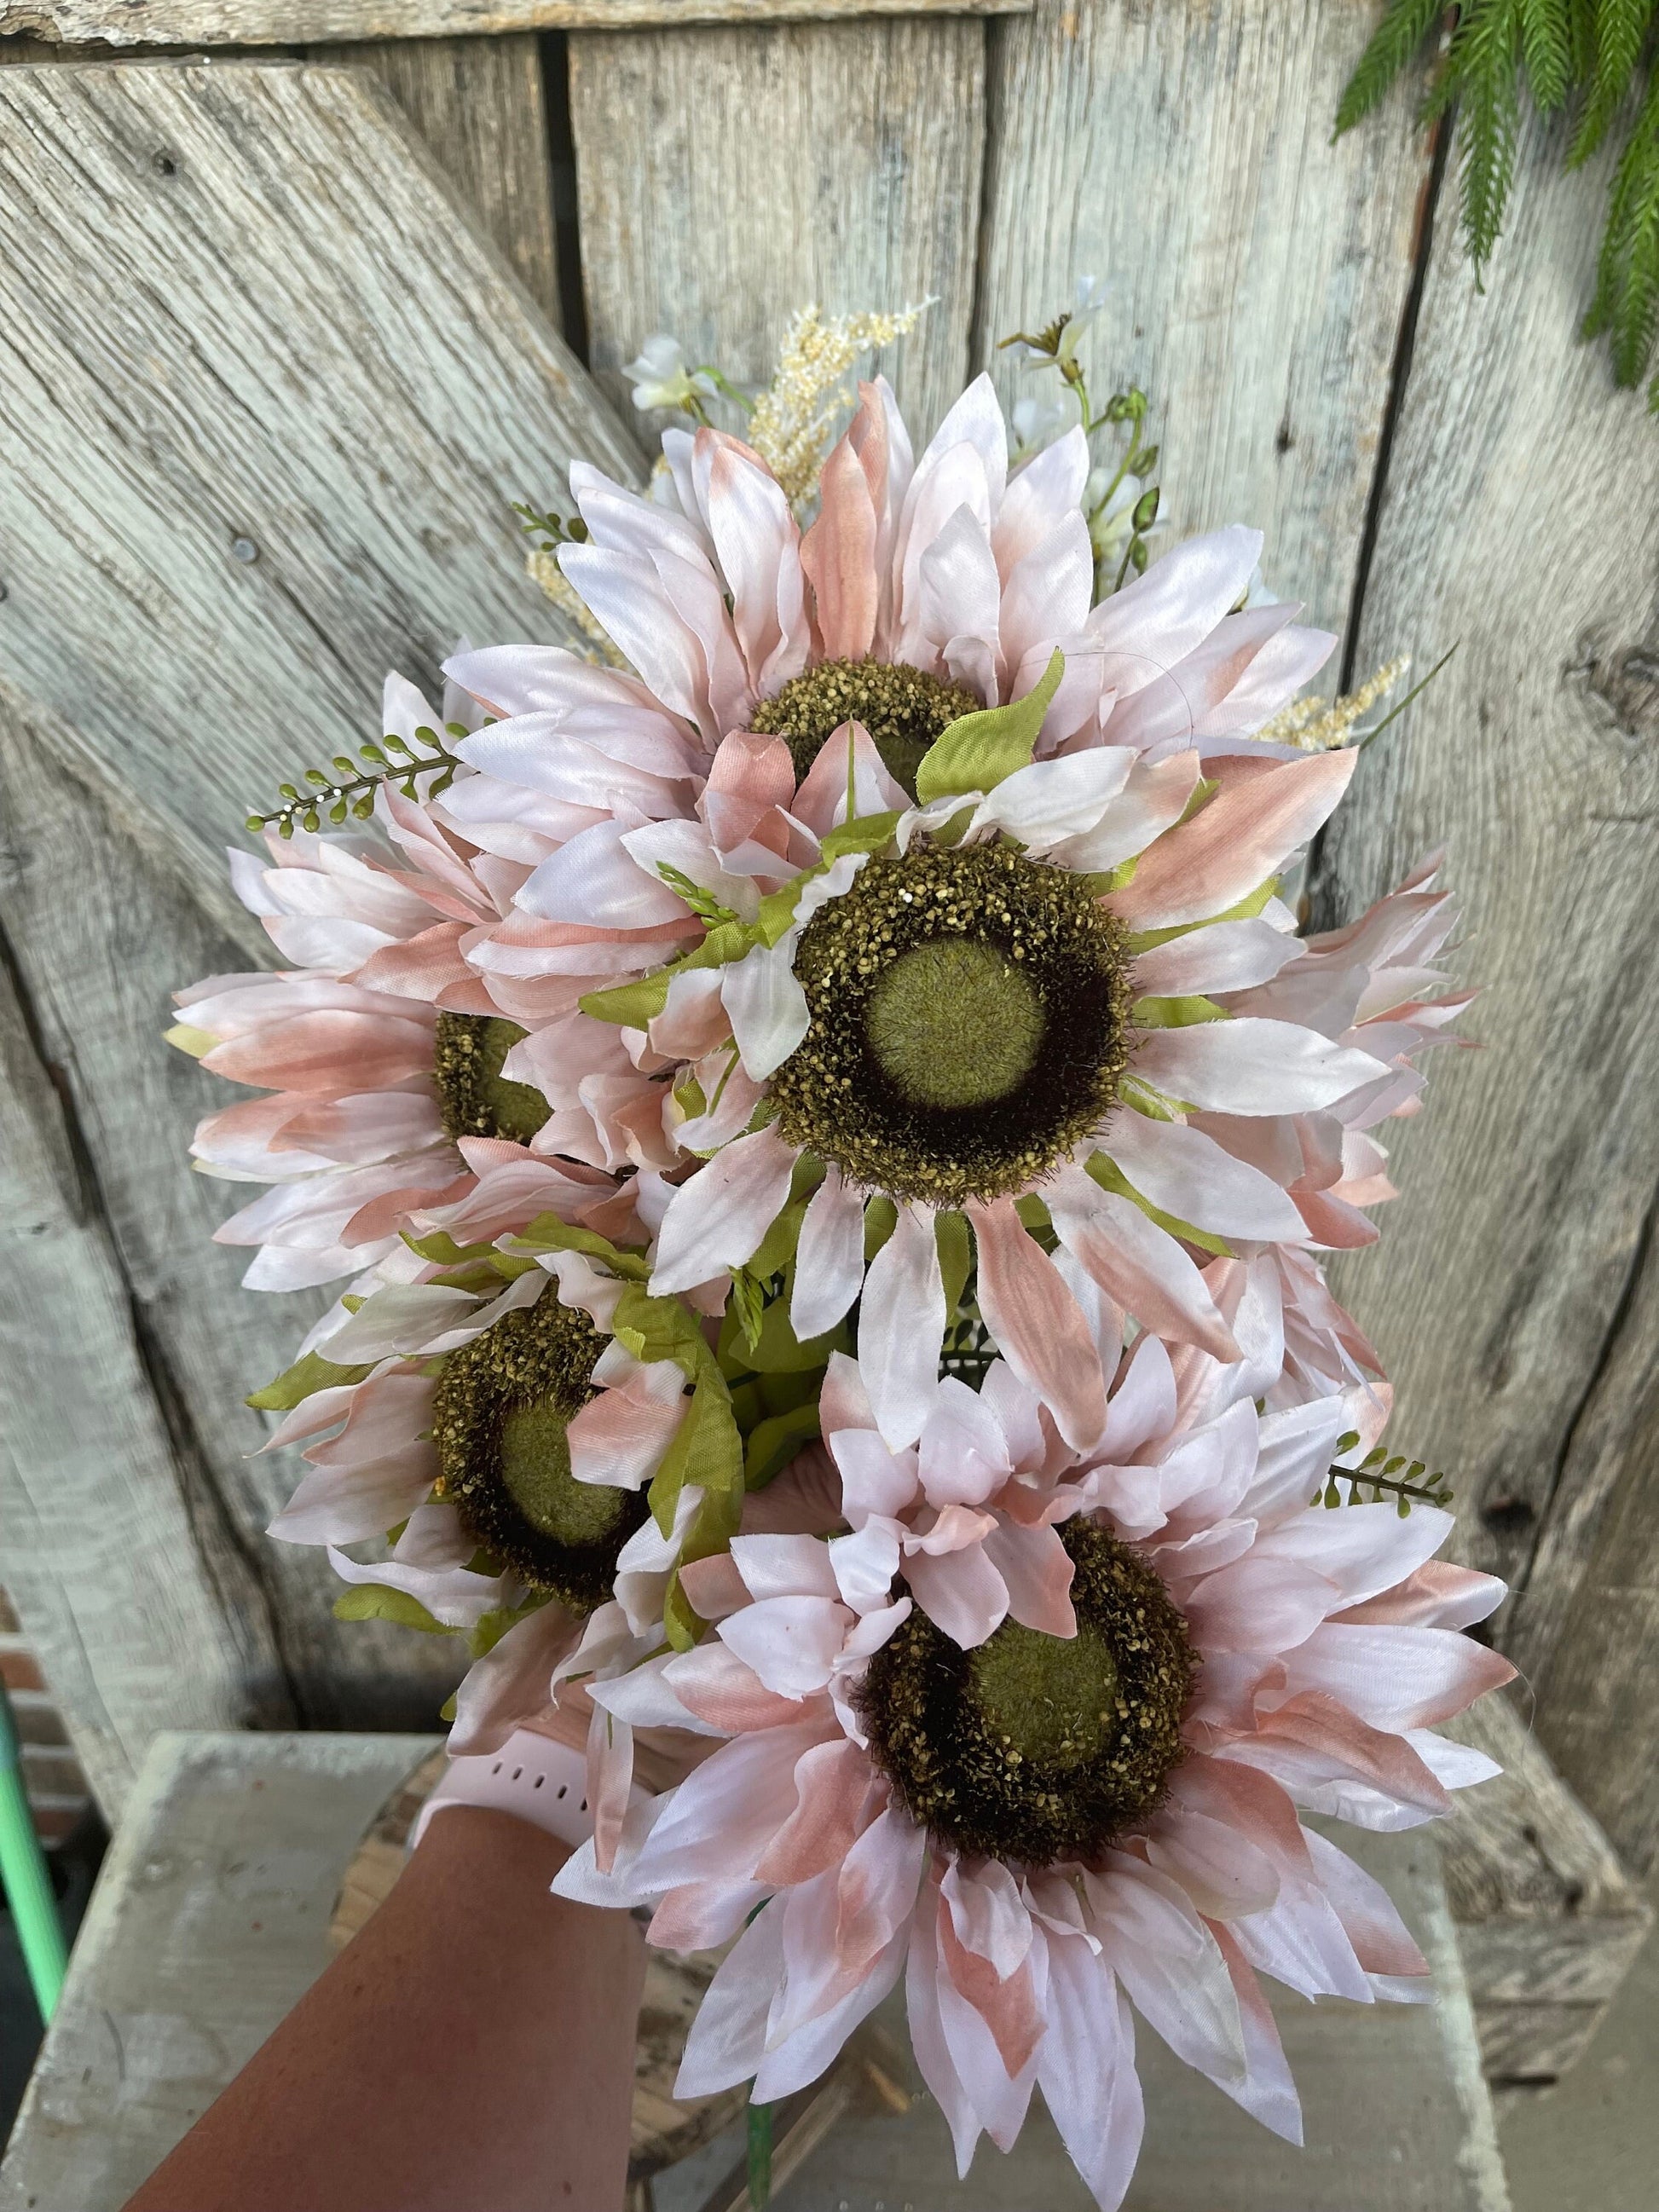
<point x="1314" y="725"/>
<point x="795" y="418"/>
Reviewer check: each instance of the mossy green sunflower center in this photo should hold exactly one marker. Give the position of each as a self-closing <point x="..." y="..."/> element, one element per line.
<point x="474" y="1097"/>
<point x="500" y="1417"/>
<point x="954" y="1022"/>
<point x="968" y="1011"/>
<point x="1037" y="1748"/>
<point x="904" y="708"/>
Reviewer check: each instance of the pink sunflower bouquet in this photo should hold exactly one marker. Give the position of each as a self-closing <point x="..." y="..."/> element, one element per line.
<point x="829" y="1118"/>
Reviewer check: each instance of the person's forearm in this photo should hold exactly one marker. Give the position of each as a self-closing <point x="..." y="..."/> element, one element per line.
<point x="472" y="2048"/>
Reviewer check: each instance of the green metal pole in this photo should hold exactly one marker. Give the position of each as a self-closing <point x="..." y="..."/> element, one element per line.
<point x="29" y="1883"/>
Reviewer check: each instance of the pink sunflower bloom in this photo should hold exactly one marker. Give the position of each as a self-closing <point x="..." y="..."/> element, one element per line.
<point x="1087" y="1809"/>
<point x="982" y="882"/>
<point x="382" y="1047"/>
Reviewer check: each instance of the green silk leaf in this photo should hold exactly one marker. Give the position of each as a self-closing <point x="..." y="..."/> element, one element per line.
<point x="303" y="1380"/>
<point x="955" y="1255"/>
<point x="1145" y="940"/>
<point x="775" y="1442"/>
<point x="377" y="1601"/>
<point x="976" y="751"/>
<point x="548" y="1233"/>
<point x="1174" y="1014"/>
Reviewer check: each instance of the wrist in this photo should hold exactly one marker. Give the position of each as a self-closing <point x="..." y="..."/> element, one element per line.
<point x="532" y="1779"/>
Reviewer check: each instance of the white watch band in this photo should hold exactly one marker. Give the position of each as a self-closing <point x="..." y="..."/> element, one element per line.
<point x="530" y="1776"/>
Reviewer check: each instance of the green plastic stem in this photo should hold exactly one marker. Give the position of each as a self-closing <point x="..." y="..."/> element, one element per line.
<point x="28" y="1883"/>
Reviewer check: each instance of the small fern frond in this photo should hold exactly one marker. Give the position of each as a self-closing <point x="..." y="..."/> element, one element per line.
<point x="1485" y="61"/>
<point x="1626" y="301"/>
<point x="1393" y="43"/>
<point x="1546" y="42"/>
<point x="1621" y="26"/>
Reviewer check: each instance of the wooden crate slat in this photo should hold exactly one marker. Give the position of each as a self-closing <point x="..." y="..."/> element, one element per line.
<point x="1258" y="274"/>
<point x="479" y="104"/>
<point x="99" y="966"/>
<point x="246" y="316"/>
<point x="302" y="22"/>
<point x="122" y="1595"/>
<point x="726" y="178"/>
<point x="1521" y="517"/>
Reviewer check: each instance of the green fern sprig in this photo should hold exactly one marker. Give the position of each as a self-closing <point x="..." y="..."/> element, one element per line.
<point x="349" y="792"/>
<point x="1590" y="52"/>
<point x="1408" y="1482"/>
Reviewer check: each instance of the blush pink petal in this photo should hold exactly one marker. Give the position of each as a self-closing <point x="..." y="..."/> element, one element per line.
<point x="1250" y="1066"/>
<point x="1187" y="1173"/>
<point x="1155" y="1942"/>
<point x="1439" y="1595"/>
<point x="1136" y="1262"/>
<point x="901" y="1327"/>
<point x="1035" y="1322"/>
<point x="831" y="1781"/>
<point x="703" y="1916"/>
<point x="791" y="1642"/>
<point x="961" y="1592"/>
<point x="1398" y="1678"/>
<point x="718" y="1219"/>
<point x="838" y="555"/>
<point x="1230" y="847"/>
<point x="1153" y="800"/>
<point x="1036" y="1570"/>
<point x="829" y="1257"/>
<point x="511" y="1683"/>
<point x="1086" y="2071"/>
<point x="1268" y="2093"/>
<point x="722" y="1690"/>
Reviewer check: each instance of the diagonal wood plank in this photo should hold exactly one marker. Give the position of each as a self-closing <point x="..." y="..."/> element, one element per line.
<point x="1522" y="516"/>
<point x="1259" y="274"/>
<point x="299" y="22"/>
<point x="135" y="1605"/>
<point x="726" y="178"/>
<point x="479" y="105"/>
<point x="101" y="939"/>
<point x="270" y="396"/>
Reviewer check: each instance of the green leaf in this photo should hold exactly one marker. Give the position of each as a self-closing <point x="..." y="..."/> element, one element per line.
<point x="775" y="1349"/>
<point x="377" y="1601"/>
<point x="956" y="1256"/>
<point x="976" y="751"/>
<point x="880" y="1220"/>
<point x="302" y="1380"/>
<point x="662" y="1328"/>
<point x="868" y="834"/>
<point x="1107" y="1174"/>
<point x="1484" y="66"/>
<point x="1183" y="1013"/>
<point x="706" y="1450"/>
<point x="775" y="1441"/>
<point x="548" y="1233"/>
<point x="1395" y="39"/>
<point x="488" y="1629"/>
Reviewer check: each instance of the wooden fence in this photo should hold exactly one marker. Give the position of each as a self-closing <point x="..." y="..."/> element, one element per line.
<point x="277" y="346"/>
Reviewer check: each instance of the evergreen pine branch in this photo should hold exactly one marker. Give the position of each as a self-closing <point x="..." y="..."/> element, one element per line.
<point x="1393" y="43"/>
<point x="1621" y="26"/>
<point x="1546" y="41"/>
<point x="1626" y="302"/>
<point x="1485" y="65"/>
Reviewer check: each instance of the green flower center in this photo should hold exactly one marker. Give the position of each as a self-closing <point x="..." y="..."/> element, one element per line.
<point x="954" y="1022"/>
<point x="967" y="1012"/>
<point x="904" y="708"/>
<point x="474" y="1097"/>
<point x="500" y="1417"/>
<point x="1037" y="1748"/>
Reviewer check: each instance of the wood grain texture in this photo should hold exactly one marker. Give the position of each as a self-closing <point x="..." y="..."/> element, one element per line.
<point x="1521" y="517"/>
<point x="122" y="1595"/>
<point x="479" y="104"/>
<point x="210" y="1919"/>
<point x="239" y="304"/>
<point x="1588" y="1632"/>
<point x="726" y="178"/>
<point x="99" y="963"/>
<point x="1548" y="1921"/>
<point x="1259" y="273"/>
<point x="301" y="23"/>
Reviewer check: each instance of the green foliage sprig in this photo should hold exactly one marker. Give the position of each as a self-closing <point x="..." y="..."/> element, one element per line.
<point x="350" y="791"/>
<point x="1381" y="1473"/>
<point x="1591" y="54"/>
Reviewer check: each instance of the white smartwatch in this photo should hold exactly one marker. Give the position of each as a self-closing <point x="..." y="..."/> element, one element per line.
<point x="531" y="1777"/>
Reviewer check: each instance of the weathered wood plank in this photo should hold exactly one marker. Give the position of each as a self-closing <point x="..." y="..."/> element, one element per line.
<point x="209" y="1918"/>
<point x="302" y="22"/>
<point x="1548" y="1921"/>
<point x="1259" y="274"/>
<point x="99" y="964"/>
<point x="122" y="1591"/>
<point x="1521" y="517"/>
<point x="266" y="396"/>
<point x="479" y="104"/>
<point x="726" y="178"/>
<point x="1589" y="1634"/>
